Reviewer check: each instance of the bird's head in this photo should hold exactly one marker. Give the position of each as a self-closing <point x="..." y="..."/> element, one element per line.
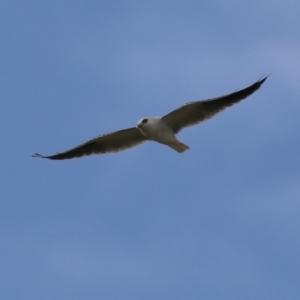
<point x="142" y="123"/>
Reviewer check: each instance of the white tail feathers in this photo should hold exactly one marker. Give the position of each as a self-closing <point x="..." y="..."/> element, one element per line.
<point x="179" y="146"/>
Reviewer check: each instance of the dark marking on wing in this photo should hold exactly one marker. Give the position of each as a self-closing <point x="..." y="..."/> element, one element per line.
<point x="106" y="143"/>
<point x="193" y="113"/>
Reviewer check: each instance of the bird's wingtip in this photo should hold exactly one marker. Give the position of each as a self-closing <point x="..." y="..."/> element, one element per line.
<point x="38" y="155"/>
<point x="264" y="78"/>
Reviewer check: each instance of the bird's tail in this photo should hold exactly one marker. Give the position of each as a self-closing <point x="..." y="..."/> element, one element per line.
<point x="179" y="146"/>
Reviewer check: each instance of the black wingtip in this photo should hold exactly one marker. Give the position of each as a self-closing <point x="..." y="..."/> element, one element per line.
<point x="38" y="155"/>
<point x="263" y="78"/>
<point x="53" y="157"/>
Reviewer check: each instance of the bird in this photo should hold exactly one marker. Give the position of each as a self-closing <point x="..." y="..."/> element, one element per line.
<point x="159" y="129"/>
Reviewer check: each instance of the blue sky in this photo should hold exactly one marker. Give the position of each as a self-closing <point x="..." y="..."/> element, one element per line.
<point x="220" y="221"/>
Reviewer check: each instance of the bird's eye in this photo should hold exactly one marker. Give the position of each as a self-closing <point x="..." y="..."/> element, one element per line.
<point x="144" y="121"/>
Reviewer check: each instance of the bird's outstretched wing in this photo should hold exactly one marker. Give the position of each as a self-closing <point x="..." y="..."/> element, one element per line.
<point x="106" y="143"/>
<point x="193" y="113"/>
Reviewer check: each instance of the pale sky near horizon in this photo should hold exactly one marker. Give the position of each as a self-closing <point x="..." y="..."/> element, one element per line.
<point x="220" y="221"/>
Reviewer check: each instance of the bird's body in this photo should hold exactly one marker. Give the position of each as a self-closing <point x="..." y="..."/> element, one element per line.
<point x="159" y="129"/>
<point x="156" y="129"/>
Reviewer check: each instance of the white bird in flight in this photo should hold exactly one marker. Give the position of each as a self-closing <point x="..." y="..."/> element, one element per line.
<point x="159" y="129"/>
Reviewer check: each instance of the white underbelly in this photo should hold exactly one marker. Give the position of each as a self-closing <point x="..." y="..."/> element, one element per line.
<point x="160" y="133"/>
